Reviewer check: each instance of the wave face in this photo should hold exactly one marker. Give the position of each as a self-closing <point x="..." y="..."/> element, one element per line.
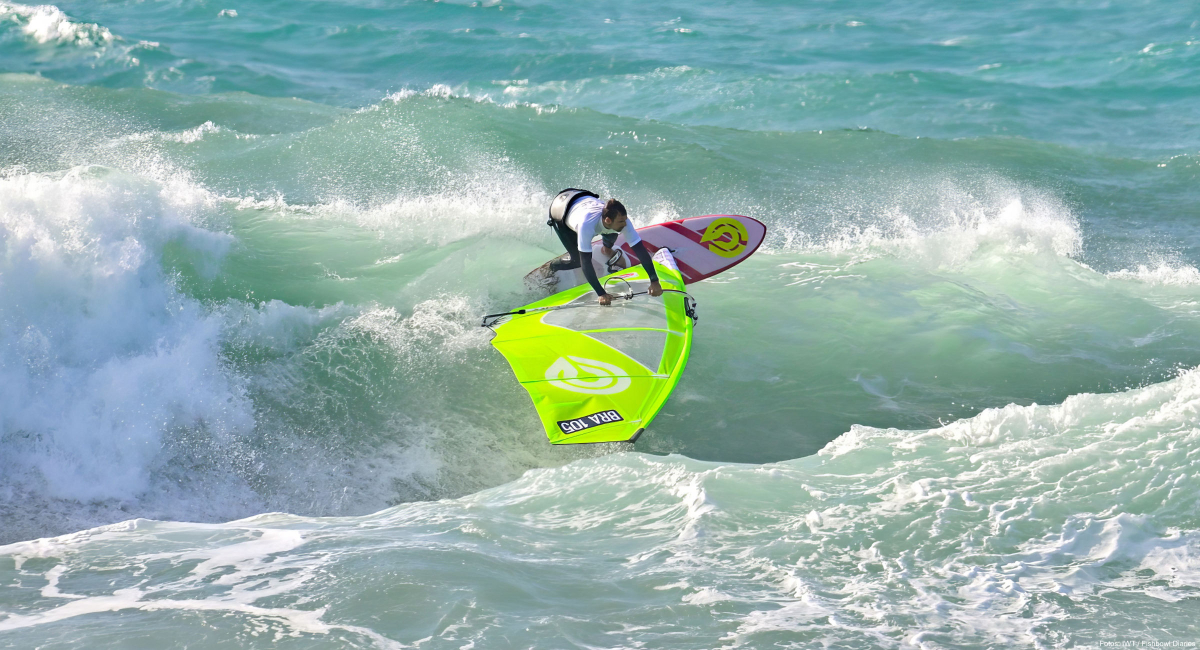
<point x="243" y="253"/>
<point x="1029" y="526"/>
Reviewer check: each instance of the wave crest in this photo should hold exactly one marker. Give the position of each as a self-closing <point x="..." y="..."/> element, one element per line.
<point x="48" y="24"/>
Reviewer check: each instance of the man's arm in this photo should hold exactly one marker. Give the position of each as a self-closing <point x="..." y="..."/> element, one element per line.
<point x="589" y="272"/>
<point x="648" y="264"/>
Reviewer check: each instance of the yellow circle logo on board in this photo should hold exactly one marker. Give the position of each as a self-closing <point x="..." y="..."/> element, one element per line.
<point x="726" y="237"/>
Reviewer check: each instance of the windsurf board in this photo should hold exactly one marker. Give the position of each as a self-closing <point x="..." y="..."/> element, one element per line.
<point x="702" y="247"/>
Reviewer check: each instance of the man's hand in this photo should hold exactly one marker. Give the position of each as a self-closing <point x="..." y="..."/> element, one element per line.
<point x="606" y="299"/>
<point x="655" y="289"/>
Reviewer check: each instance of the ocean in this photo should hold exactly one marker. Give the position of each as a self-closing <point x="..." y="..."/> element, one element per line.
<point x="245" y="401"/>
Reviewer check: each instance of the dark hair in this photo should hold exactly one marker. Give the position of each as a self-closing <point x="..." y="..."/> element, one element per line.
<point x="612" y="209"/>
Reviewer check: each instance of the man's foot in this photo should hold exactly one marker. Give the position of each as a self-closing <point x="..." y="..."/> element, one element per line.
<point x="563" y="265"/>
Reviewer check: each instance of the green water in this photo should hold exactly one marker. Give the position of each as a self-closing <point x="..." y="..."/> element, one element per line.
<point x="949" y="403"/>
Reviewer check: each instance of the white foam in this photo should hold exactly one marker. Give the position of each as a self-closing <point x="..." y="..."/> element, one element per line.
<point x="101" y="355"/>
<point x="960" y="228"/>
<point x="245" y="566"/>
<point x="1161" y="274"/>
<point x="698" y="506"/>
<point x="436" y="329"/>
<point x="278" y="326"/>
<point x="497" y="199"/>
<point x="48" y="24"/>
<point x="442" y="91"/>
<point x="188" y="136"/>
<point x="705" y="596"/>
<point x="51" y="588"/>
<point x="858" y="437"/>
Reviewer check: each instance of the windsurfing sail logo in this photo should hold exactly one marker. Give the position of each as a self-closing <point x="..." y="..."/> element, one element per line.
<point x="602" y="378"/>
<point x="726" y="237"/>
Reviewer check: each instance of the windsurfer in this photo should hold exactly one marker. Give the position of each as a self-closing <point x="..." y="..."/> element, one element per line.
<point x="577" y="216"/>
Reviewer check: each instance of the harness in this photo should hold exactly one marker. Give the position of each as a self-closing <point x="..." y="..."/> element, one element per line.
<point x="562" y="203"/>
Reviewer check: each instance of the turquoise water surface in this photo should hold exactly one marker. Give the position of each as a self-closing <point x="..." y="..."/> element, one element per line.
<point x="953" y="402"/>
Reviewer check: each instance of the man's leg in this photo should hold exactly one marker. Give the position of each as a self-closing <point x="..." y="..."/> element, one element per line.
<point x="568" y="239"/>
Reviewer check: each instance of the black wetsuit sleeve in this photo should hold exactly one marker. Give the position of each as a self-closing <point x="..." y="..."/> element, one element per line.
<point x="589" y="272"/>
<point x="647" y="261"/>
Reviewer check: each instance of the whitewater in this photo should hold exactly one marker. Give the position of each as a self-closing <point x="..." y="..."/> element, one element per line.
<point x="952" y="402"/>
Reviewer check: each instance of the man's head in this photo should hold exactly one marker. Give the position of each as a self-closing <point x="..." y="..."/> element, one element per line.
<point x="614" y="216"/>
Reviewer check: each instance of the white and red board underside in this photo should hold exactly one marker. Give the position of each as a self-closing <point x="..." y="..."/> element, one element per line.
<point x="702" y="246"/>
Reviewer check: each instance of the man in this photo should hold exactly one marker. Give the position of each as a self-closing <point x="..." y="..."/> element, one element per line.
<point x="577" y="216"/>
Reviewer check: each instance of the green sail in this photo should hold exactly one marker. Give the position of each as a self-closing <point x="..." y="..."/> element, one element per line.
<point x="601" y="374"/>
